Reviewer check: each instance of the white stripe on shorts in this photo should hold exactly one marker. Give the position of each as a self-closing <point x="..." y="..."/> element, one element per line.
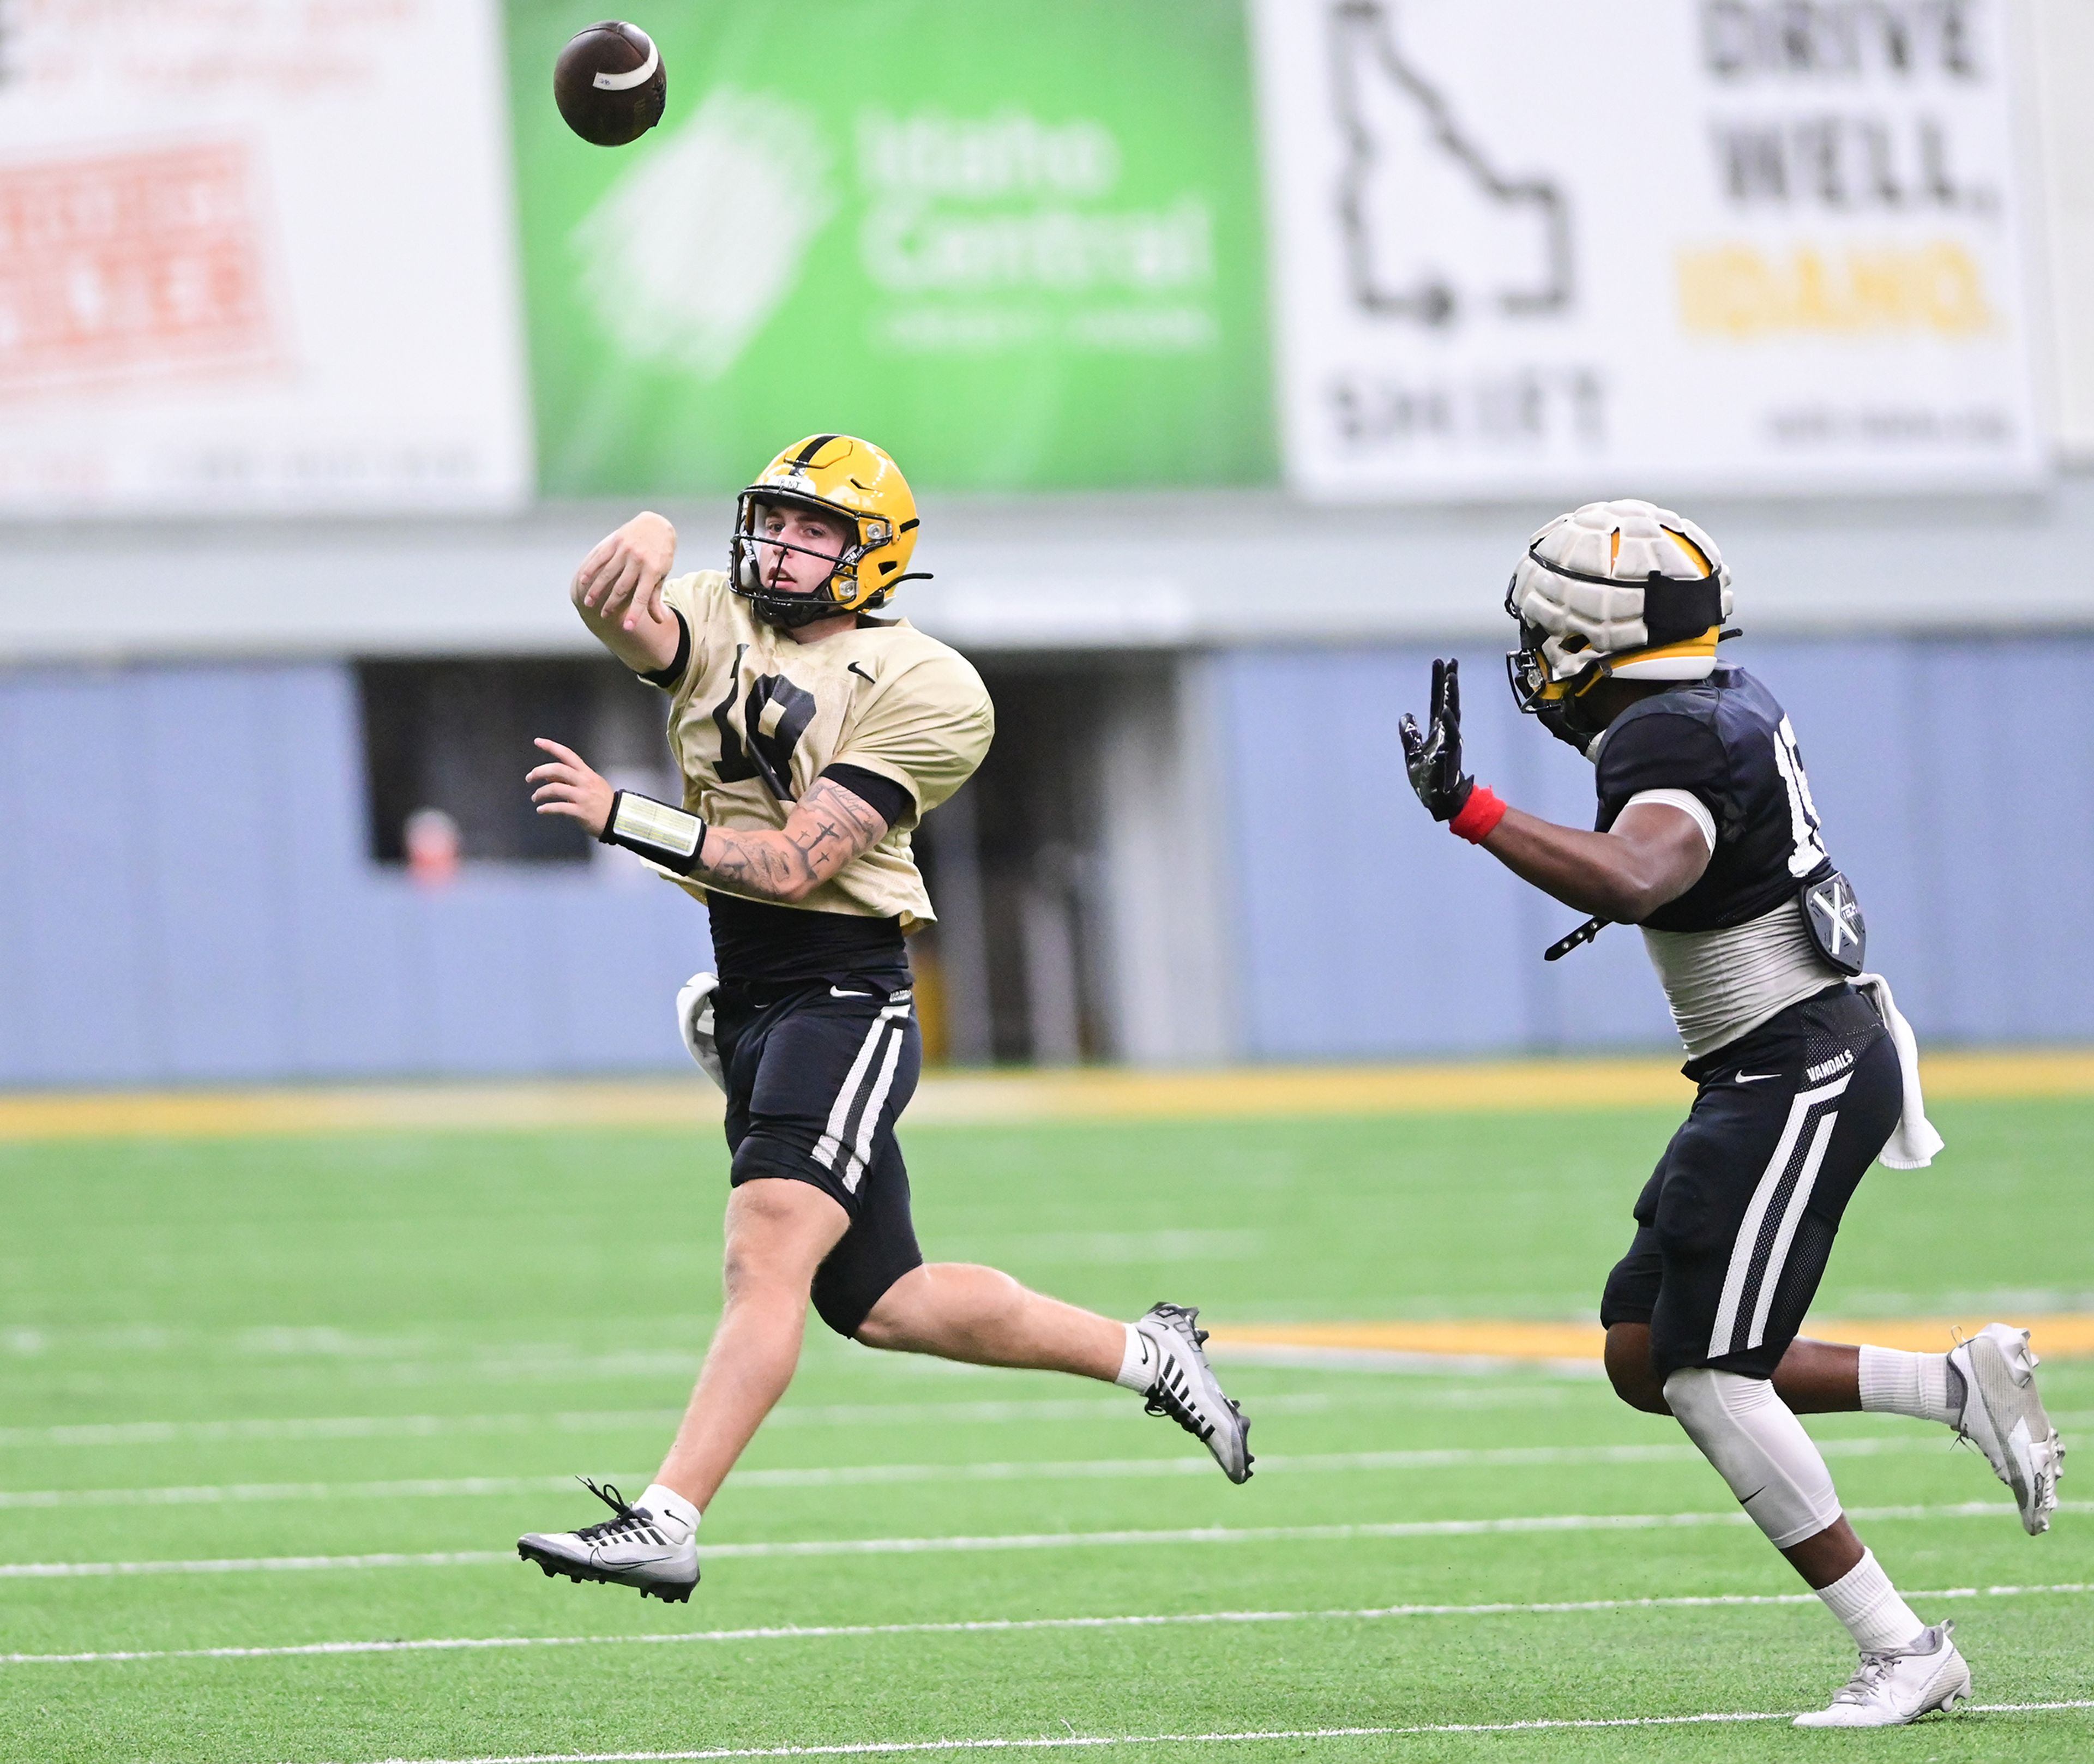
<point x="1791" y="1216"/>
<point x="862" y="1152"/>
<point x="839" y="1112"/>
<point x="1741" y="1269"/>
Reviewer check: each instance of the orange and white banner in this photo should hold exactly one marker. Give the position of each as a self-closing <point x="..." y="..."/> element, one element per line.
<point x="256" y="258"/>
<point x="1613" y="247"/>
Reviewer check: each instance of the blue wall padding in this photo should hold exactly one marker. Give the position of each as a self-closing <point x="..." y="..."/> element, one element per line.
<point x="186" y="895"/>
<point x="1956" y="780"/>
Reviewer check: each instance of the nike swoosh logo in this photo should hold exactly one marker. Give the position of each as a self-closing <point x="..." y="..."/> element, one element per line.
<point x="837" y="992"/>
<point x="1756" y="1078"/>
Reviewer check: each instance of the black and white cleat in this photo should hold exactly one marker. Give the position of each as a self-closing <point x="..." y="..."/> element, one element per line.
<point x="657" y="1556"/>
<point x="1187" y="1390"/>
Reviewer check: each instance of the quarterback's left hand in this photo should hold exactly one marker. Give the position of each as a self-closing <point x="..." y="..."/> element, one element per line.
<point x="1434" y="758"/>
<point x="567" y="786"/>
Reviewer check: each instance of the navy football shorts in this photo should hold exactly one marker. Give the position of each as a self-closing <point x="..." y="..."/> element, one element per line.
<point x="1735" y="1226"/>
<point x="817" y="1073"/>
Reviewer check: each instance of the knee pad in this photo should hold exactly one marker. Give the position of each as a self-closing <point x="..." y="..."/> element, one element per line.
<point x="1759" y="1448"/>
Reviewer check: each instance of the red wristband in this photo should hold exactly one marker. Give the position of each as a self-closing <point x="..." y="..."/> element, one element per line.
<point x="1482" y="812"/>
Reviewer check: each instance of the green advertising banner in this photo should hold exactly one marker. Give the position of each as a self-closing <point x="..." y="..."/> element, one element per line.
<point x="1017" y="246"/>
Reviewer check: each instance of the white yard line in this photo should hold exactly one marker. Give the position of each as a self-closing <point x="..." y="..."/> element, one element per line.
<point x="1307" y="1356"/>
<point x="1451" y="1458"/>
<point x="848" y="1414"/>
<point x="997" y="1626"/>
<point x="1078" y="1741"/>
<point x="126" y="1434"/>
<point x="447" y="1558"/>
<point x="913" y="1546"/>
<point x="1438" y="1394"/>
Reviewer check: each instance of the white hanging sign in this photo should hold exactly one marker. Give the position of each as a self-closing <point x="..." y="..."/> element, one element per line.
<point x="257" y="258"/>
<point x="1613" y="247"/>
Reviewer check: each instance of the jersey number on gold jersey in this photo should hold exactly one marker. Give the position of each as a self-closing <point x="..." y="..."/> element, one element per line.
<point x="775" y="714"/>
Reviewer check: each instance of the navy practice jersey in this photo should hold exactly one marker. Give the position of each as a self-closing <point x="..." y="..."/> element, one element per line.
<point x="1725" y="741"/>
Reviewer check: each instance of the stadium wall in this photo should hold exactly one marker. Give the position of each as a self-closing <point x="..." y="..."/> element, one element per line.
<point x="197" y="903"/>
<point x="1957" y="790"/>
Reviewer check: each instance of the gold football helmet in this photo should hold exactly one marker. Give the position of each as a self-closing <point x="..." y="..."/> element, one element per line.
<point x="836" y="474"/>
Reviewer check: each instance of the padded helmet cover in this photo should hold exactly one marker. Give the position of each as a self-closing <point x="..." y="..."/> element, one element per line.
<point x="1611" y="579"/>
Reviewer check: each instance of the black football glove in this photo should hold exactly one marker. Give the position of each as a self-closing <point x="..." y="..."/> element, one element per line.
<point x="1434" y="758"/>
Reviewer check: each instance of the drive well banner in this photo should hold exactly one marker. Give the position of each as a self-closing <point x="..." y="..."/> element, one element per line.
<point x="1018" y="247"/>
<point x="257" y="258"/>
<point x="1588" y="247"/>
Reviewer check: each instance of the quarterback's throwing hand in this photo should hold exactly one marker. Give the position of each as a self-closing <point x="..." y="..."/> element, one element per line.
<point x="1434" y="758"/>
<point x="567" y="786"/>
<point x="625" y="572"/>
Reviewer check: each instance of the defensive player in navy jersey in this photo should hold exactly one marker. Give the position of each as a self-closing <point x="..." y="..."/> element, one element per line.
<point x="1707" y="837"/>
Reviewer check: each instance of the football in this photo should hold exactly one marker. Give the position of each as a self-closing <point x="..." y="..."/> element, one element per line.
<point x="610" y="83"/>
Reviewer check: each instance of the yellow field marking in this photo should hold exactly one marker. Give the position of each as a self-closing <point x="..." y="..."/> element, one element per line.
<point x="213" y="1114"/>
<point x="2068" y="1335"/>
<point x="978" y="1099"/>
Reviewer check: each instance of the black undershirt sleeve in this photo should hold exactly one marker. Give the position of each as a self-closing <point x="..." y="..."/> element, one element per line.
<point x="1663" y="750"/>
<point x="883" y="795"/>
<point x="666" y="678"/>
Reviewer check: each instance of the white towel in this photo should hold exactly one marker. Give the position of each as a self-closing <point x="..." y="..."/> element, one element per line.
<point x="1912" y="1142"/>
<point x="694" y="1023"/>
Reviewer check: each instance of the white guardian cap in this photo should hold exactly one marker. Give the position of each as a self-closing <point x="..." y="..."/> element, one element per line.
<point x="1624" y="589"/>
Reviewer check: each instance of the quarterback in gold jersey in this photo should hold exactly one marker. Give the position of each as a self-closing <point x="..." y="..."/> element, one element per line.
<point x="812" y="736"/>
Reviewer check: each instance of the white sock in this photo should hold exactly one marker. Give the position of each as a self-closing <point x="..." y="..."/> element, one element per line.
<point x="1138" y="1366"/>
<point x="1865" y="1600"/>
<point x="1924" y="1386"/>
<point x="670" y="1507"/>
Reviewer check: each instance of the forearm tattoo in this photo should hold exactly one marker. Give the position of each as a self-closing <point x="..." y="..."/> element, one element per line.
<point x="827" y="828"/>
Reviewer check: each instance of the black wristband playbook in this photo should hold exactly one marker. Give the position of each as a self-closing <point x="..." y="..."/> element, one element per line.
<point x="674" y="838"/>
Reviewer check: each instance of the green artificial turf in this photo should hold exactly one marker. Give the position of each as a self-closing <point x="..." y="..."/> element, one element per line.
<point x="328" y="1335"/>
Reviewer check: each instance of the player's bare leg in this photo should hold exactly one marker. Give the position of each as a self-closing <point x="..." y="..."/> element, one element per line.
<point x="959" y="1311"/>
<point x="777" y="1233"/>
<point x="1984" y="1389"/>
<point x="1814" y="1378"/>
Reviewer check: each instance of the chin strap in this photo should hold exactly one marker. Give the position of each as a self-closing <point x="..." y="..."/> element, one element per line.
<point x="1585" y="933"/>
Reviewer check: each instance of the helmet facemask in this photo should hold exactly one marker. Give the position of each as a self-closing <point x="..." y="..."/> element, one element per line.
<point x="843" y="479"/>
<point x="750" y="551"/>
<point x="1553" y="700"/>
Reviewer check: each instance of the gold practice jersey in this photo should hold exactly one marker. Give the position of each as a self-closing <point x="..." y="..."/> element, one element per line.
<point x="756" y="717"/>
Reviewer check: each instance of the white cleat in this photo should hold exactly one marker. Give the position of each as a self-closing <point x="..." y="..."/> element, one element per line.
<point x="1187" y="1390"/>
<point x="633" y="1548"/>
<point x="1892" y="1689"/>
<point x="2003" y="1418"/>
